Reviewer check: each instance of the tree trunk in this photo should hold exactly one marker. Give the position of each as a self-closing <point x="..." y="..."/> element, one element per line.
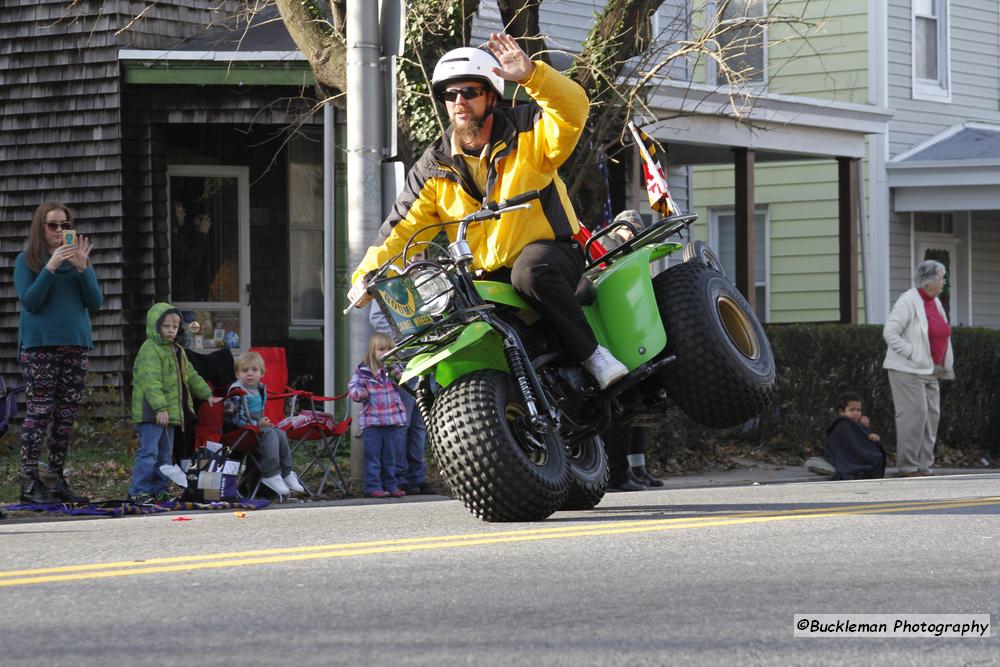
<point x="520" y="18"/>
<point x="325" y="50"/>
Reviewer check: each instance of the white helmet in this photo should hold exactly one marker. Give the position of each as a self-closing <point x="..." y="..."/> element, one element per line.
<point x="465" y="64"/>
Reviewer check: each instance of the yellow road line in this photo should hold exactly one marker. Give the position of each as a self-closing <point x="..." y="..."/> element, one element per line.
<point x="294" y="554"/>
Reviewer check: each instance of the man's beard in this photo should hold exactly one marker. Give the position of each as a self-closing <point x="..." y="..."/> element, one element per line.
<point x="468" y="132"/>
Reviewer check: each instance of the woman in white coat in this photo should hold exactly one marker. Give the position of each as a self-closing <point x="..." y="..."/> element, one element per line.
<point x="919" y="356"/>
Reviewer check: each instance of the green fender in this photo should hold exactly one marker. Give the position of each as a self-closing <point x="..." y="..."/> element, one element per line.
<point x="478" y="347"/>
<point x="497" y="292"/>
<point x="625" y="317"/>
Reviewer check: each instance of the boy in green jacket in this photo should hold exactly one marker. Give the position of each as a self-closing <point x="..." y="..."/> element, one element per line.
<point x="162" y="387"/>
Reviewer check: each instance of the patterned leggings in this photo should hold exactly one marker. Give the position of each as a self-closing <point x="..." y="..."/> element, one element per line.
<point x="54" y="385"/>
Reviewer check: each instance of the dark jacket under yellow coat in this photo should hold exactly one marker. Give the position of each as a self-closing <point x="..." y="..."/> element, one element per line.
<point x="162" y="378"/>
<point x="527" y="145"/>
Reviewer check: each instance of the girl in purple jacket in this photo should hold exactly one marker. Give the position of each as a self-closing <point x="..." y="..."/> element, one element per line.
<point x="382" y="419"/>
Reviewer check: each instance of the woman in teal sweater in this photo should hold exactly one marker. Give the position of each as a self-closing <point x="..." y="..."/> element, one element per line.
<point x="58" y="292"/>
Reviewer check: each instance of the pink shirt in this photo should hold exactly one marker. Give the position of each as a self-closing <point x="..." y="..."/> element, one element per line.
<point x="937" y="328"/>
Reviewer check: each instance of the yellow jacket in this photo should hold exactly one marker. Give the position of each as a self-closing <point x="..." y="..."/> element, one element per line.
<point x="527" y="145"/>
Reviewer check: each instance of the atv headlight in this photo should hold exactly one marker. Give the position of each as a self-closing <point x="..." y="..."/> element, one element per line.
<point x="435" y="290"/>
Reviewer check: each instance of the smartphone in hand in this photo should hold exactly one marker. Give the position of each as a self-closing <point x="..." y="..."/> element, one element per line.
<point x="69" y="236"/>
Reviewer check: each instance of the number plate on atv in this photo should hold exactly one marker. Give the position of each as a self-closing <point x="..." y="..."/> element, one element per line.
<point x="401" y="304"/>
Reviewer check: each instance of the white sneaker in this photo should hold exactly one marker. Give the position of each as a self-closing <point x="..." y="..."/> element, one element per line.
<point x="819" y="465"/>
<point x="605" y="368"/>
<point x="276" y="484"/>
<point x="291" y="480"/>
<point x="174" y="474"/>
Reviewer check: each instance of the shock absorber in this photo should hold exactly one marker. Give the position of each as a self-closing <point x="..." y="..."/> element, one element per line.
<point x="516" y="364"/>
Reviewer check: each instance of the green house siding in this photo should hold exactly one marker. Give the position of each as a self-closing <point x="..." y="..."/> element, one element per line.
<point x="801" y="198"/>
<point x="823" y="53"/>
<point x="831" y="62"/>
<point x="801" y="202"/>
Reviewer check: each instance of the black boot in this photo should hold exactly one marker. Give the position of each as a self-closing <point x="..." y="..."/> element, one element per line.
<point x="33" y="490"/>
<point x="62" y="491"/>
<point x="629" y="484"/>
<point x="640" y="473"/>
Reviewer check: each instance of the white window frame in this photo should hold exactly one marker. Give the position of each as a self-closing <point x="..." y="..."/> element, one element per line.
<point x="242" y="176"/>
<point x="928" y="89"/>
<point x="299" y="323"/>
<point x="960" y="276"/>
<point x="713" y="242"/>
<point x="712" y="69"/>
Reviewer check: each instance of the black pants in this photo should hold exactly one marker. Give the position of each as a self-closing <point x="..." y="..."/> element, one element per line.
<point x="546" y="274"/>
<point x="619" y="442"/>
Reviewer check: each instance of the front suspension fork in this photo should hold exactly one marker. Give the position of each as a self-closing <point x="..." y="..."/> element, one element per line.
<point x="542" y="418"/>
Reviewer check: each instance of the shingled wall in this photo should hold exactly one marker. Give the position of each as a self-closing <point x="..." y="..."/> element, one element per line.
<point x="61" y="139"/>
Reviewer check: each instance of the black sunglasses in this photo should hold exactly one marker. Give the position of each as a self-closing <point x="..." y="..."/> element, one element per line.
<point x="59" y="226"/>
<point x="467" y="92"/>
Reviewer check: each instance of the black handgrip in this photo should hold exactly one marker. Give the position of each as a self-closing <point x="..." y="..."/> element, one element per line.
<point x="520" y="199"/>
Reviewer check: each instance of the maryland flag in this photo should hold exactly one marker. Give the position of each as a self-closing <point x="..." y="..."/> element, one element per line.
<point x="656" y="181"/>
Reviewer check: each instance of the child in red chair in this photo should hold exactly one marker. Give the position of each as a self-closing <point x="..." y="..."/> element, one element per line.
<point x="245" y="406"/>
<point x="383" y="419"/>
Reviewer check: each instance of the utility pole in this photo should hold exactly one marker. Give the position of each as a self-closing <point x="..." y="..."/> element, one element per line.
<point x="365" y="139"/>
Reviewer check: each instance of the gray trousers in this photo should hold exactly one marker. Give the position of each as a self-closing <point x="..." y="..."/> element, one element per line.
<point x="918" y="410"/>
<point x="275" y="456"/>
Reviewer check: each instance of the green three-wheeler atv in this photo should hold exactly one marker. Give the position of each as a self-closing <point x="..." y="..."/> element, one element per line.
<point x="515" y="427"/>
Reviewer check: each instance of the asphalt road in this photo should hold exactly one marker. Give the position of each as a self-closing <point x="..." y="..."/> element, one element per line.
<point x="692" y="576"/>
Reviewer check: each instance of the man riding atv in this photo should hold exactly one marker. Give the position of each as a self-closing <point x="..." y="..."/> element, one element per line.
<point x="491" y="153"/>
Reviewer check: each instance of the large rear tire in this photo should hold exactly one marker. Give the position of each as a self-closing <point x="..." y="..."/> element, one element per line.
<point x="483" y="453"/>
<point x="724" y="373"/>
<point x="588" y="471"/>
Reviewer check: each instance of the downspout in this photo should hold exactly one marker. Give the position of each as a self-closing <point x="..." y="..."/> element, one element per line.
<point x="329" y="254"/>
<point x="863" y="223"/>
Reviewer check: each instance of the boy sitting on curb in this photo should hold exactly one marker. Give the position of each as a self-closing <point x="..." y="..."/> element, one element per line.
<point x="852" y="450"/>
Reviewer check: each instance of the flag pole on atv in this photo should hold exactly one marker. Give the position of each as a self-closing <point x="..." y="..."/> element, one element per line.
<point x="656" y="180"/>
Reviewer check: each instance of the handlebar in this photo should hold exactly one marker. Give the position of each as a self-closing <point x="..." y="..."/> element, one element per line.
<point x="459" y="249"/>
<point x="495" y="210"/>
<point x="518" y="199"/>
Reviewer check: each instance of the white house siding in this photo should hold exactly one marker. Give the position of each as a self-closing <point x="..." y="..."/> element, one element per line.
<point x="974" y="67"/>
<point x="986" y="269"/>
<point x="900" y="254"/>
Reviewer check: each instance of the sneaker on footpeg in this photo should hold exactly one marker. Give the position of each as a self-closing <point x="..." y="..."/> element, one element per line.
<point x="291" y="480"/>
<point x="276" y="484"/>
<point x="604" y="367"/>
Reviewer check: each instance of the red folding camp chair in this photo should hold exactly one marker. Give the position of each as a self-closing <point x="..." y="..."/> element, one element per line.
<point x="322" y="433"/>
<point x="242" y="442"/>
<point x="275" y="377"/>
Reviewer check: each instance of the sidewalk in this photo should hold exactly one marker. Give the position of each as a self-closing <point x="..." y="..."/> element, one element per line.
<point x="756" y="472"/>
